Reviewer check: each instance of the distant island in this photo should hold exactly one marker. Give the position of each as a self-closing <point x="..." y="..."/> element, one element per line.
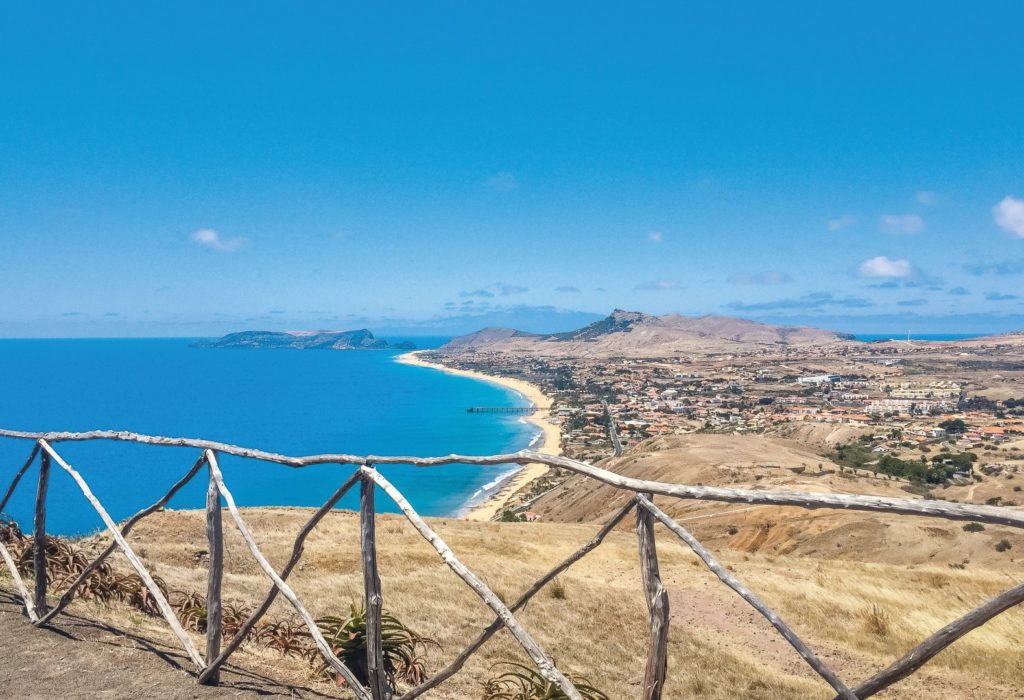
<point x="361" y="339"/>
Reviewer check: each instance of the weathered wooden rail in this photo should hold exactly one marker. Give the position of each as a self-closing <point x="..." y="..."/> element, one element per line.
<point x="208" y="664"/>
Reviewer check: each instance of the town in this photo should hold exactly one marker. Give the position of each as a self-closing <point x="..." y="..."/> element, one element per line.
<point x="901" y="405"/>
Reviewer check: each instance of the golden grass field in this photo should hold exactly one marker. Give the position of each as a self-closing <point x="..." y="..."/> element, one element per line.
<point x="860" y="588"/>
<point x="858" y="616"/>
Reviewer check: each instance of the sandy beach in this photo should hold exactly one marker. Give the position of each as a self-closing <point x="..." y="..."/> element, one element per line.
<point x="550" y="442"/>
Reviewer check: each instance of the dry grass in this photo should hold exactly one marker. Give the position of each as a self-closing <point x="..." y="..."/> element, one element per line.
<point x="859" y="616"/>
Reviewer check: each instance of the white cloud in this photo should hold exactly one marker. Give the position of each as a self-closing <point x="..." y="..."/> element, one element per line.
<point x="1009" y="214"/>
<point x="839" y="223"/>
<point x="502" y="182"/>
<point x="655" y="236"/>
<point x="901" y="224"/>
<point x="209" y="238"/>
<point x="882" y="266"/>
<point x="926" y="198"/>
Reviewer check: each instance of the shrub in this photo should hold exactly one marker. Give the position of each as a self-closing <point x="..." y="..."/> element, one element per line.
<point x="557" y="589"/>
<point x="521" y="682"/>
<point x="973" y="527"/>
<point x="287" y="637"/>
<point x="190" y="609"/>
<point x="876" y="621"/>
<point x="347" y="639"/>
<point x="1003" y="545"/>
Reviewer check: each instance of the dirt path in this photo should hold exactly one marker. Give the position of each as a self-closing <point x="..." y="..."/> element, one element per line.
<point x="79" y="658"/>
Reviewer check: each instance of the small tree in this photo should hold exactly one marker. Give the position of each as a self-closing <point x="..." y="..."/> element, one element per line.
<point x="954" y="426"/>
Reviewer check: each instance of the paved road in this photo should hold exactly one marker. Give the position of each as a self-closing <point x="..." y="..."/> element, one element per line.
<point x="613" y="434"/>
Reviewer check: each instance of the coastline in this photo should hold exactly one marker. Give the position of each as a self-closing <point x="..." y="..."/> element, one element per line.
<point x="551" y="439"/>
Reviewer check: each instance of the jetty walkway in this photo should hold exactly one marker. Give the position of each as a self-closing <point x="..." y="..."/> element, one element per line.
<point x="513" y="410"/>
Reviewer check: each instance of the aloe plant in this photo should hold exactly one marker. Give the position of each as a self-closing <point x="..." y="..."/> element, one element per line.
<point x="521" y="682"/>
<point x="347" y="639"/>
<point x="286" y="636"/>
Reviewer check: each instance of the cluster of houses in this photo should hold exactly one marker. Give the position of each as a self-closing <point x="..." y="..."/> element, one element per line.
<point x="754" y="393"/>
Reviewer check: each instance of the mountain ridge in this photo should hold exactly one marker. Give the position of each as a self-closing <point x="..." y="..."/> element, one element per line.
<point x="635" y="333"/>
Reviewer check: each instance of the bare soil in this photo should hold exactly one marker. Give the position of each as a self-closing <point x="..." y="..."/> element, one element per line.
<point x="77" y="657"/>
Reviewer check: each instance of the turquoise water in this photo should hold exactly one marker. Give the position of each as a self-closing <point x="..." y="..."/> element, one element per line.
<point x="290" y="401"/>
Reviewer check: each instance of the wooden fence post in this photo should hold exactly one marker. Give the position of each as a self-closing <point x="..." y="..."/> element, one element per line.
<point x="39" y="536"/>
<point x="214" y="609"/>
<point x="376" y="677"/>
<point x="657" y="606"/>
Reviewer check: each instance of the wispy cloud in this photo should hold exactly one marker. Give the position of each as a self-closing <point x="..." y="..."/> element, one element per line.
<point x="901" y="224"/>
<point x="658" y="286"/>
<point x="503" y="181"/>
<point x="959" y="291"/>
<point x="655" y="236"/>
<point x="211" y="239"/>
<point x="841" y="222"/>
<point x="998" y="296"/>
<point x="1009" y="214"/>
<point x="1000" y="267"/>
<point x="568" y="290"/>
<point x="926" y="198"/>
<point x="812" y="301"/>
<point x="912" y="302"/>
<point x="498" y="289"/>
<point x="881" y="266"/>
<point x="764" y="278"/>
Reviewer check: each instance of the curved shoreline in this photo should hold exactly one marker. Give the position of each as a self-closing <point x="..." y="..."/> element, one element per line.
<point x="551" y="440"/>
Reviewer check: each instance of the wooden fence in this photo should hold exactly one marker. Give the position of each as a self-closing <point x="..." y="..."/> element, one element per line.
<point x="207" y="664"/>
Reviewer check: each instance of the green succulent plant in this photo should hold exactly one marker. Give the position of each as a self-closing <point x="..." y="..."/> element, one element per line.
<point x="521" y="682"/>
<point x="347" y="639"/>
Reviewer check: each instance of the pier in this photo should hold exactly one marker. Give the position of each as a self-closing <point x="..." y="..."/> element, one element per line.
<point x="512" y="410"/>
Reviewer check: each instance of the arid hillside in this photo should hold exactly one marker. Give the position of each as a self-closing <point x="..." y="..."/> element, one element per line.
<point x="859" y="616"/>
<point x="633" y="334"/>
<point x="775" y="463"/>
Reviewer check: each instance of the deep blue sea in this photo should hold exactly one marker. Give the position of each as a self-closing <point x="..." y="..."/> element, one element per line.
<point x="871" y="337"/>
<point x="295" y="402"/>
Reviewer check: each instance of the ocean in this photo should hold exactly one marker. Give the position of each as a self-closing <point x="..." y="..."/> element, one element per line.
<point x="872" y="337"/>
<point x="295" y="402"/>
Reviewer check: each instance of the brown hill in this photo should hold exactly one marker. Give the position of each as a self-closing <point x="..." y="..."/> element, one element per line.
<point x="1015" y="338"/>
<point x="760" y="462"/>
<point x="633" y="334"/>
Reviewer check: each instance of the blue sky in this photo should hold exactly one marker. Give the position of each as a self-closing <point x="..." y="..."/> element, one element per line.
<point x="199" y="168"/>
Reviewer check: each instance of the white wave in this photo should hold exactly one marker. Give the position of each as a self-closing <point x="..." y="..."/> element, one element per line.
<point x="492" y="486"/>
